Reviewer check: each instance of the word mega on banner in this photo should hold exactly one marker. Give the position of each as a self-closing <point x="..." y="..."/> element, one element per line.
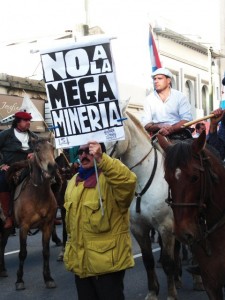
<point x="82" y="91"/>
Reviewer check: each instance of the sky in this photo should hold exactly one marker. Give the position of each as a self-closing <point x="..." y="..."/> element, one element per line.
<point x="126" y="20"/>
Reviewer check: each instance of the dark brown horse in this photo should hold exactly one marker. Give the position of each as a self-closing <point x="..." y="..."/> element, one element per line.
<point x="35" y="206"/>
<point x="196" y="178"/>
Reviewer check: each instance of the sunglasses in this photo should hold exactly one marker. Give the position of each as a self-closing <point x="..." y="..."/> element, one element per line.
<point x="81" y="151"/>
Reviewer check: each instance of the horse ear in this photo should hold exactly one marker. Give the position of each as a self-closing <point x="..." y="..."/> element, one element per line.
<point x="163" y="142"/>
<point x="199" y="143"/>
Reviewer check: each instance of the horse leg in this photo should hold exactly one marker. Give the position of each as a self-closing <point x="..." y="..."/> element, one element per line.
<point x="3" y="241"/>
<point x="168" y="263"/>
<point x="64" y="234"/>
<point x="214" y="293"/>
<point x="197" y="279"/>
<point x="55" y="237"/>
<point x="184" y="254"/>
<point x="22" y="256"/>
<point x="46" y="235"/>
<point x="145" y="244"/>
<point x="177" y="264"/>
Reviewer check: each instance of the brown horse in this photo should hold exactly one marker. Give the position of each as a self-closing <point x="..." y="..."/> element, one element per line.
<point x="35" y="206"/>
<point x="196" y="179"/>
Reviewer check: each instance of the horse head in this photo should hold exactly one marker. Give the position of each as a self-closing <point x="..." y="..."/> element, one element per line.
<point x="195" y="176"/>
<point x="44" y="157"/>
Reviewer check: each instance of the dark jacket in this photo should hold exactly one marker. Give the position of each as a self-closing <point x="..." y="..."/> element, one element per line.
<point x="217" y="139"/>
<point x="11" y="148"/>
<point x="218" y="143"/>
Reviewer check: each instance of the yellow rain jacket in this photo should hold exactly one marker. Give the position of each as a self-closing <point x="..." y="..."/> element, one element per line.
<point x="100" y="243"/>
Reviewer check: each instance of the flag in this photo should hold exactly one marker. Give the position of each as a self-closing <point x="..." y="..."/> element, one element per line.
<point x="7" y="119"/>
<point x="154" y="56"/>
<point x="28" y="106"/>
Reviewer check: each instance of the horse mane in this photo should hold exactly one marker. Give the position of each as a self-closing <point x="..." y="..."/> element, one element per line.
<point x="179" y="155"/>
<point x="138" y="124"/>
<point x="41" y="140"/>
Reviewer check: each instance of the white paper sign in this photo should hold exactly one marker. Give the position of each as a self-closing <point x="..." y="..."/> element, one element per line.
<point x="82" y="92"/>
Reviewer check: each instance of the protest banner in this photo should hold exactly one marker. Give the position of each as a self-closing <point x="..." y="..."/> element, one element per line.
<point x="82" y="92"/>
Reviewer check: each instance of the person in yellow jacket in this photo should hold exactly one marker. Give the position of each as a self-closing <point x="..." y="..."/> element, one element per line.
<point x="98" y="249"/>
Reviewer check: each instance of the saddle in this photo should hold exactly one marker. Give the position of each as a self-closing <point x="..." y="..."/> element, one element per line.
<point x="16" y="173"/>
<point x="181" y="135"/>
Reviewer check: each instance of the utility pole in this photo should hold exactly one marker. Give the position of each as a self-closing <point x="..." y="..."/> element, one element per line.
<point x="210" y="51"/>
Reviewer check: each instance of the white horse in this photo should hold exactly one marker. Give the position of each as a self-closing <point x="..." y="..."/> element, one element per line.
<point x="138" y="153"/>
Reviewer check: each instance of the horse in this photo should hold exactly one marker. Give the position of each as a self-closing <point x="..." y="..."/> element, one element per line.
<point x="35" y="205"/>
<point x="148" y="209"/>
<point x="196" y="177"/>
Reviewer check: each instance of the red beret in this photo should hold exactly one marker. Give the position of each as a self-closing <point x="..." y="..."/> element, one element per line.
<point x="23" y="115"/>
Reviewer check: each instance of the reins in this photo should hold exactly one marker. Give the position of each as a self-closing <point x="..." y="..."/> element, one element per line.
<point x="30" y="167"/>
<point x="138" y="163"/>
<point x="147" y="185"/>
<point x="38" y="163"/>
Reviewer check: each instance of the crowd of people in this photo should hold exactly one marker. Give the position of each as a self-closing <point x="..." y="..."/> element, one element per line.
<point x="98" y="196"/>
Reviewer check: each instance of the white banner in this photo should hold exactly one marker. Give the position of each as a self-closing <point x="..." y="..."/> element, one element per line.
<point x="28" y="106"/>
<point x="82" y="92"/>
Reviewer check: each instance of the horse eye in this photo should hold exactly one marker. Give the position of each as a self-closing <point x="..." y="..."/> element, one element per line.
<point x="194" y="178"/>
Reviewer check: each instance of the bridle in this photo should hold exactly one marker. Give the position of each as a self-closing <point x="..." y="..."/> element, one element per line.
<point x="207" y="179"/>
<point x="148" y="183"/>
<point x="203" y="169"/>
<point x="37" y="160"/>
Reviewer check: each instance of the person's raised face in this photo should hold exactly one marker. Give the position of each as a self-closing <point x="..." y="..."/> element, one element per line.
<point x="86" y="159"/>
<point x="161" y="82"/>
<point x="23" y="125"/>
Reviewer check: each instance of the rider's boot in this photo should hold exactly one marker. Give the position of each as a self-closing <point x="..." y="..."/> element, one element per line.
<point x="5" y="200"/>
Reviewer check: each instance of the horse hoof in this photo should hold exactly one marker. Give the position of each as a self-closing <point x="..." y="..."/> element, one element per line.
<point x="20" y="286"/>
<point x="60" y="257"/>
<point x="50" y="284"/>
<point x="3" y="273"/>
<point x="58" y="242"/>
<point x="151" y="296"/>
<point x="178" y="284"/>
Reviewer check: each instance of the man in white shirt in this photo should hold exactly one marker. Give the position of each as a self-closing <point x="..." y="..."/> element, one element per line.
<point x="166" y="109"/>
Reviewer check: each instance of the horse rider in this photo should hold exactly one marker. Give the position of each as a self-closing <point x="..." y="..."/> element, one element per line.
<point x="166" y="109"/>
<point x="15" y="146"/>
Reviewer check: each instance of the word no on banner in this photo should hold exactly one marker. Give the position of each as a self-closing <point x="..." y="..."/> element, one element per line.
<point x="82" y="92"/>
